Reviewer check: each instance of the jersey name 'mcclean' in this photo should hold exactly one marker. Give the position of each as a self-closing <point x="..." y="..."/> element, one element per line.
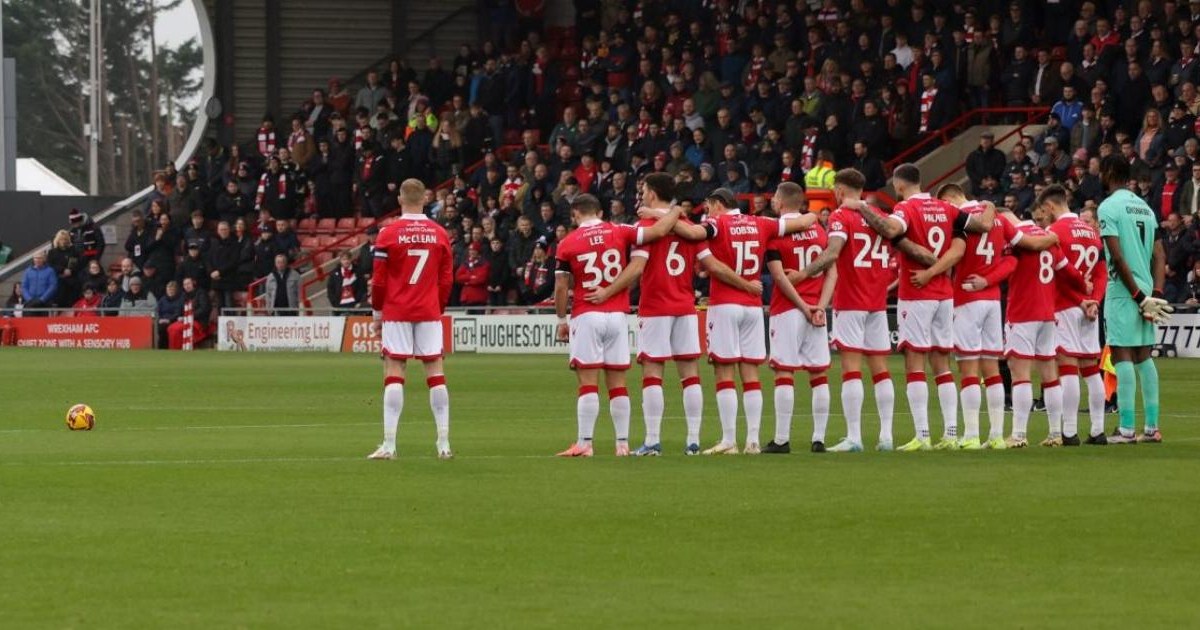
<point x="426" y="237"/>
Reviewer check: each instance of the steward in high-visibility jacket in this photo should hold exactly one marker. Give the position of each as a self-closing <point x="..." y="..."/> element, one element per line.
<point x="821" y="175"/>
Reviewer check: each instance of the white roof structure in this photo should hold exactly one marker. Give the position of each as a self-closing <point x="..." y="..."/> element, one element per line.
<point x="33" y="176"/>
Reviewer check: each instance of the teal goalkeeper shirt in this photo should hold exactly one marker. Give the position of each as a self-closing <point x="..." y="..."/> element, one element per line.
<point x="1130" y="219"/>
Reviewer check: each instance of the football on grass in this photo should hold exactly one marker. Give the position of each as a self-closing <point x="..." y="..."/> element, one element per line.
<point x="81" y="418"/>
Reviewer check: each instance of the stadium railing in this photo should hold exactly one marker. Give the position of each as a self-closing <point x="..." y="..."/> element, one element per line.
<point x="1024" y="116"/>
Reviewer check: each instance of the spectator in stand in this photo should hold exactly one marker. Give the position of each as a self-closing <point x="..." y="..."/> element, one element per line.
<point x="39" y="285"/>
<point x="163" y="248"/>
<point x="536" y="279"/>
<point x="985" y="161"/>
<point x="871" y="167"/>
<point x="346" y="289"/>
<point x="1179" y="245"/>
<point x="110" y="302"/>
<point x="194" y="266"/>
<point x="1151" y="141"/>
<point x="141" y="236"/>
<point x="14" y="306"/>
<point x="371" y="94"/>
<point x="87" y="305"/>
<point x="223" y="260"/>
<point x="472" y="276"/>
<point x="62" y="259"/>
<point x="300" y="142"/>
<point x="265" y="253"/>
<point x="167" y="311"/>
<point x="201" y="316"/>
<point x="136" y="301"/>
<point x="1022" y="192"/>
<point x="93" y="276"/>
<point x="1086" y="132"/>
<point x="1189" y="193"/>
<point x="286" y="240"/>
<point x="1069" y="109"/>
<point x="183" y="200"/>
<point x="85" y="236"/>
<point x="196" y="234"/>
<point x="283" y="288"/>
<point x="276" y="190"/>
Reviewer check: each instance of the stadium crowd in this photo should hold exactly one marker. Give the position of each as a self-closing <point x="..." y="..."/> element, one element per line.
<point x="717" y="93"/>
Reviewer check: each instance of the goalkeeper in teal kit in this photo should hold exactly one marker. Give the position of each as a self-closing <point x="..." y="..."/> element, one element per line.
<point x="1133" y="303"/>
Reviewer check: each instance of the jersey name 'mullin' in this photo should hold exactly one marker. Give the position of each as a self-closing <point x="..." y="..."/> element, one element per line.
<point x="409" y="239"/>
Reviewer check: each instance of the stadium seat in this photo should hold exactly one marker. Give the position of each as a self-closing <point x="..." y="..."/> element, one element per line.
<point x="321" y="258"/>
<point x="306" y="226"/>
<point x="346" y="225"/>
<point x="363" y="239"/>
<point x="309" y="243"/>
<point x="365" y="222"/>
<point x="327" y="240"/>
<point x="326" y="226"/>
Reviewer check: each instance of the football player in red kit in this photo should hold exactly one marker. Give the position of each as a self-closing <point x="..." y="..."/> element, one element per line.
<point x="410" y="287"/>
<point x="1077" y="316"/>
<point x="799" y="336"/>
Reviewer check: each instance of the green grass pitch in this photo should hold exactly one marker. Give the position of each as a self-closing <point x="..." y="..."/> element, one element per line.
<point x="232" y="490"/>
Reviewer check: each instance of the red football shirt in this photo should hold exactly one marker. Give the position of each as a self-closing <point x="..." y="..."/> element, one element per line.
<point x="595" y="254"/>
<point x="930" y="223"/>
<point x="667" y="279"/>
<point x="796" y="251"/>
<point x="412" y="273"/>
<point x="1082" y="246"/>
<point x="985" y="256"/>
<point x="863" y="264"/>
<point x="1031" y="289"/>
<point x="740" y="241"/>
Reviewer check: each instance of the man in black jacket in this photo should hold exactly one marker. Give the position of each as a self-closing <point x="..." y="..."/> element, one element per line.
<point x="1178" y="245"/>
<point x="346" y="289"/>
<point x="1016" y="79"/>
<point x="870" y="166"/>
<point x="986" y="160"/>
<point x="223" y="259"/>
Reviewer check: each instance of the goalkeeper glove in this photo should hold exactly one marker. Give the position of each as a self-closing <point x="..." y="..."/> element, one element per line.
<point x="1153" y="307"/>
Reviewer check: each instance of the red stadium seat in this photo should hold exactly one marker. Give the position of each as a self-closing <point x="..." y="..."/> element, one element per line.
<point x="327" y="240"/>
<point x="365" y="222"/>
<point x="346" y="224"/>
<point x="322" y="258"/>
<point x="363" y="239"/>
<point x="306" y="226"/>
<point x="326" y="226"/>
<point x="309" y="243"/>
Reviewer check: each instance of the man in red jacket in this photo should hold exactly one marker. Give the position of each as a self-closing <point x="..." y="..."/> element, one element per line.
<point x="472" y="276"/>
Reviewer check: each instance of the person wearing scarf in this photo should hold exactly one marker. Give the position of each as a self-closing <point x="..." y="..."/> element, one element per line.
<point x="345" y="288"/>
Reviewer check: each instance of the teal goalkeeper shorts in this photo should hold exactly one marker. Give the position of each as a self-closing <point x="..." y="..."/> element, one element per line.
<point x="1124" y="326"/>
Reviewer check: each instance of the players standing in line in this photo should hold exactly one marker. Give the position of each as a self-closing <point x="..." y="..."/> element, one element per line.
<point x="860" y="326"/>
<point x="410" y="287"/>
<point x="799" y="337"/>
<point x="668" y="327"/>
<point x="736" y="342"/>
<point x="925" y="306"/>
<point x="1135" y="266"/>
<point x="1029" y="332"/>
<point x="978" y="326"/>
<point x="1077" y="322"/>
<point x="595" y="255"/>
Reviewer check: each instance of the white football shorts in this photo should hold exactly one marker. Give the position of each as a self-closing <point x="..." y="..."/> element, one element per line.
<point x="599" y="341"/>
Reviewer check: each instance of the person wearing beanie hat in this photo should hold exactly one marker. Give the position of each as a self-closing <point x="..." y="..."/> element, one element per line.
<point x="86" y="239"/>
